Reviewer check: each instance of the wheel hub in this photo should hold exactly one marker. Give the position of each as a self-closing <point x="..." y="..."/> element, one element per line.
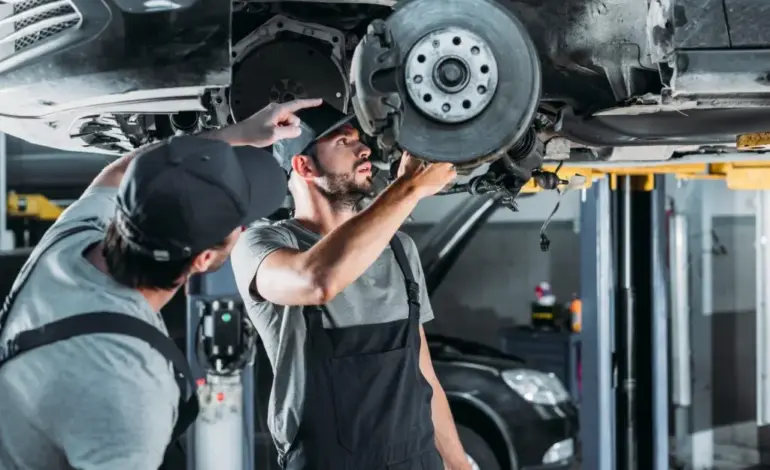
<point x="447" y="80"/>
<point x="451" y="75"/>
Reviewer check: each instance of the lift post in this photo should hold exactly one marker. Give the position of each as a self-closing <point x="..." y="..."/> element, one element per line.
<point x="762" y="215"/>
<point x="625" y="331"/>
<point x="596" y="293"/>
<point x="223" y="437"/>
<point x="641" y="323"/>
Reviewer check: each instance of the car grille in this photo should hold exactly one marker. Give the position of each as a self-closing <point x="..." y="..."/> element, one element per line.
<point x="33" y="21"/>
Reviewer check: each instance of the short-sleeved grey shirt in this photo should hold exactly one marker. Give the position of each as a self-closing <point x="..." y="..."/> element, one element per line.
<point x="92" y="402"/>
<point x="378" y="296"/>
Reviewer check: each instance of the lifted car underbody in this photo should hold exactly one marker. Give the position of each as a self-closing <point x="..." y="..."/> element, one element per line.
<point x="511" y="83"/>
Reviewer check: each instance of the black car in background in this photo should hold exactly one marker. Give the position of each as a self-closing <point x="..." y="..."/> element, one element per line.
<point x="509" y="416"/>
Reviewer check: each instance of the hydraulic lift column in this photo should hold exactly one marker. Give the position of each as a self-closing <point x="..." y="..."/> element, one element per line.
<point x="596" y="291"/>
<point x="641" y="335"/>
<point x="222" y="359"/>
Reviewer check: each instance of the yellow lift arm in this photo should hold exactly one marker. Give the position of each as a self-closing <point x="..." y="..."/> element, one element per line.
<point x="740" y="175"/>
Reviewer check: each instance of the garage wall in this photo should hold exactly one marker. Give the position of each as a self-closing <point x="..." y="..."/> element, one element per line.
<point x="493" y="282"/>
<point x="734" y="271"/>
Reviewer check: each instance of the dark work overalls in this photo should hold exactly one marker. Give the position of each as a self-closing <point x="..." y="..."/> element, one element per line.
<point x="106" y="322"/>
<point x="367" y="405"/>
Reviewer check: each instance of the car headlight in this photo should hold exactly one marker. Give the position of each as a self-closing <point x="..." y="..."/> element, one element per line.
<point x="536" y="387"/>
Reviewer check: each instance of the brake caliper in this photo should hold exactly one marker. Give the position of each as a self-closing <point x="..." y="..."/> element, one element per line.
<point x="373" y="75"/>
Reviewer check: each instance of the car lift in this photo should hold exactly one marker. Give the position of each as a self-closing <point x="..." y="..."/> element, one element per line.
<point x="625" y="371"/>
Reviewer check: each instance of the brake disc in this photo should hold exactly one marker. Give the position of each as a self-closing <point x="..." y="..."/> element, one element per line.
<point x="464" y="79"/>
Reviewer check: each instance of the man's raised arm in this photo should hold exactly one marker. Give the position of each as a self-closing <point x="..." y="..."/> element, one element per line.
<point x="313" y="277"/>
<point x="268" y="125"/>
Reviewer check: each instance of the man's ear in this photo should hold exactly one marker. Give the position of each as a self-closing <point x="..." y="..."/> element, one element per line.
<point x="202" y="262"/>
<point x="303" y="166"/>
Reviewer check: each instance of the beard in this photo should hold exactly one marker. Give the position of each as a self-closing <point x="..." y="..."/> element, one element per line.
<point x="343" y="191"/>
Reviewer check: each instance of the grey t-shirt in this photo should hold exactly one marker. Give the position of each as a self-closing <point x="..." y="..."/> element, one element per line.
<point x="378" y="296"/>
<point x="92" y="402"/>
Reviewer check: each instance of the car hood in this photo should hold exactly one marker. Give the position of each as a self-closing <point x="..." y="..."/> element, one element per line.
<point x="451" y="349"/>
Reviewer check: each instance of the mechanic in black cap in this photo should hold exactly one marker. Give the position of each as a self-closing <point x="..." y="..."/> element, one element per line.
<point x="84" y="354"/>
<point x="338" y="297"/>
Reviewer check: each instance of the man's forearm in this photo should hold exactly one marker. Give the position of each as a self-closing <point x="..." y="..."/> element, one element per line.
<point x="232" y="134"/>
<point x="447" y="439"/>
<point x="347" y="251"/>
<point x="112" y="174"/>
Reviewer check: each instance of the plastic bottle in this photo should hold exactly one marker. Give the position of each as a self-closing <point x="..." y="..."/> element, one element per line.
<point x="576" y="314"/>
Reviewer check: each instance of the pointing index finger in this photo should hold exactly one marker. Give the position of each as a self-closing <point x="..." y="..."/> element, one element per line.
<point x="296" y="105"/>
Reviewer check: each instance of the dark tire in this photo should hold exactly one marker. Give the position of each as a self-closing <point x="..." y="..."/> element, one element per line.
<point x="479" y="450"/>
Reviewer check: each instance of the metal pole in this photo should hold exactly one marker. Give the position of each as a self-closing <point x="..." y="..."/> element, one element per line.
<point x="659" y="334"/>
<point x="679" y="287"/>
<point x="626" y="332"/>
<point x="596" y="292"/>
<point x="697" y="206"/>
<point x="5" y="239"/>
<point x="763" y="306"/>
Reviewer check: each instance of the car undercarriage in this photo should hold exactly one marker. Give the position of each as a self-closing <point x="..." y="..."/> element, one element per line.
<point x="512" y="84"/>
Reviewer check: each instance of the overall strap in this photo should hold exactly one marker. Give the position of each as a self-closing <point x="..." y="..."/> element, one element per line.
<point x="412" y="287"/>
<point x="42" y="247"/>
<point x="314" y="313"/>
<point x="114" y="323"/>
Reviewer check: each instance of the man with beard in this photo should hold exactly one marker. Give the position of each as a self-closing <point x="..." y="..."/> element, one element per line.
<point x="85" y="376"/>
<point x="338" y="298"/>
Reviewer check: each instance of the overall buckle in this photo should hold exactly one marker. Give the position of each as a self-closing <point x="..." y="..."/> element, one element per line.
<point x="413" y="292"/>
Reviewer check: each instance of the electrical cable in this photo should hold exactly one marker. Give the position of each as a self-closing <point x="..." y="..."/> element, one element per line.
<point x="574" y="182"/>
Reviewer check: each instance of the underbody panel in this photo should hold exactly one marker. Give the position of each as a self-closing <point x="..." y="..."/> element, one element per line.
<point x="107" y="76"/>
<point x="66" y="65"/>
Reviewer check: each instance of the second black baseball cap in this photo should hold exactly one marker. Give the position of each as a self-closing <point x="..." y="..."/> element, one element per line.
<point x="315" y="123"/>
<point x="187" y="194"/>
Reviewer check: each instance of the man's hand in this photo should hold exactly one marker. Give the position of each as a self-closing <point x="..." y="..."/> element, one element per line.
<point x="272" y="123"/>
<point x="447" y="440"/>
<point x="428" y="178"/>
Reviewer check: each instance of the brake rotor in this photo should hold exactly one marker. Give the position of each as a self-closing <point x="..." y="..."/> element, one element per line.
<point x="471" y="78"/>
<point x="282" y="71"/>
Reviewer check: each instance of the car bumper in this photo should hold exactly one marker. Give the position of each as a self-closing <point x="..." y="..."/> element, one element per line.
<point x="557" y="466"/>
<point x="547" y="440"/>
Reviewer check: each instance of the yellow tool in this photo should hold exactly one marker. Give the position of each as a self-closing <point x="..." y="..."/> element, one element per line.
<point x="34" y="206"/>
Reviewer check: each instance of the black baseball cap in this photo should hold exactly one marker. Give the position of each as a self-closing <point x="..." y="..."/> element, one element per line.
<point x="187" y="194"/>
<point x="315" y="123"/>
